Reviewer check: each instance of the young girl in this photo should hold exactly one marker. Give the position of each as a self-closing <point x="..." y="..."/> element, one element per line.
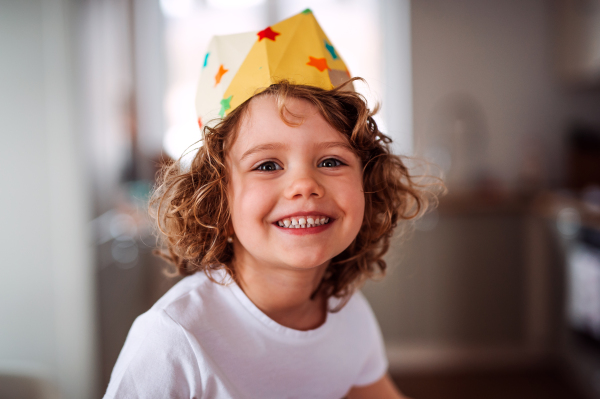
<point x="287" y="208"/>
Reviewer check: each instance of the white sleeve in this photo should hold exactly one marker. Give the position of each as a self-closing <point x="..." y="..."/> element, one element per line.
<point x="155" y="362"/>
<point x="376" y="364"/>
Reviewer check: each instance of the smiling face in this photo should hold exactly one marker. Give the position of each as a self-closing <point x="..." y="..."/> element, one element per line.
<point x="289" y="175"/>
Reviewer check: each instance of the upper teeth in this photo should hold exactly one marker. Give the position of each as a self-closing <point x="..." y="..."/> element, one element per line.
<point x="303" y="222"/>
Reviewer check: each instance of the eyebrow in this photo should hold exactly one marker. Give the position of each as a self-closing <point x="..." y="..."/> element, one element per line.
<point x="334" y="144"/>
<point x="278" y="146"/>
<point x="263" y="147"/>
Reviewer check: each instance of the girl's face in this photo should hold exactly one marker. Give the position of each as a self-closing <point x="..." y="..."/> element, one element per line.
<point x="282" y="175"/>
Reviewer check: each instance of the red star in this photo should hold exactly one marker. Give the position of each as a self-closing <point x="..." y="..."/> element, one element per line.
<point x="220" y="74"/>
<point x="200" y="123"/>
<point x="319" y="63"/>
<point x="267" y="33"/>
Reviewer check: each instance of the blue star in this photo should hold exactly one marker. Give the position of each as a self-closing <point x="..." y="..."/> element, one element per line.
<point x="205" y="60"/>
<point x="331" y="50"/>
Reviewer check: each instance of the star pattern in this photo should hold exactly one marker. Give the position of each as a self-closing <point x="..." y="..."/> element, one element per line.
<point x="331" y="50"/>
<point x="319" y="63"/>
<point x="220" y="74"/>
<point x="268" y="34"/>
<point x="225" y="105"/>
<point x="301" y="38"/>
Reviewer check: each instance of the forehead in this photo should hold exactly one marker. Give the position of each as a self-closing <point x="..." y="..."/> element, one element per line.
<point x="263" y="124"/>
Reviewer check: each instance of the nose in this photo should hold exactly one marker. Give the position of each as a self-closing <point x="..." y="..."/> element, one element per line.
<point x="303" y="185"/>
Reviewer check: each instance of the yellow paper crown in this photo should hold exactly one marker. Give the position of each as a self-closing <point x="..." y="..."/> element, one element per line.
<point x="236" y="67"/>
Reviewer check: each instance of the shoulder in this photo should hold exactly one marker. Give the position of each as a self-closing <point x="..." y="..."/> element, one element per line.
<point x="184" y="290"/>
<point x="358" y="311"/>
<point x="361" y="323"/>
<point x="163" y="320"/>
<point x="156" y="359"/>
<point x="191" y="299"/>
<point x="356" y="323"/>
<point x="359" y="301"/>
<point x="158" y="355"/>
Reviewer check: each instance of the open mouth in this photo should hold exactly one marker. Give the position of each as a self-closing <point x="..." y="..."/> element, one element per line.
<point x="302" y="222"/>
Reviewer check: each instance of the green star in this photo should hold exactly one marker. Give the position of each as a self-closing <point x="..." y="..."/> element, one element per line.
<point x="225" y="105"/>
<point x="307" y="11"/>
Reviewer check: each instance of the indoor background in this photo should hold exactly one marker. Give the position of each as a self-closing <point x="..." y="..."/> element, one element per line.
<point x="494" y="294"/>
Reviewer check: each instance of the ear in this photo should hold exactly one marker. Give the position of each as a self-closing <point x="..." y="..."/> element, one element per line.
<point x="229" y="229"/>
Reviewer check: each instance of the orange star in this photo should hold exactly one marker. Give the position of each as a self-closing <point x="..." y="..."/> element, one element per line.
<point x="220" y="74"/>
<point x="267" y="33"/>
<point x="319" y="63"/>
<point x="200" y="123"/>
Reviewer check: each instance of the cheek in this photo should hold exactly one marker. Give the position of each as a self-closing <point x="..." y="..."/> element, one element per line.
<point x="351" y="197"/>
<point x="250" y="204"/>
<point x="357" y="205"/>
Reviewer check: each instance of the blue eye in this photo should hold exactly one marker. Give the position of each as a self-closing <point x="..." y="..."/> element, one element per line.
<point x="330" y="163"/>
<point x="269" y="166"/>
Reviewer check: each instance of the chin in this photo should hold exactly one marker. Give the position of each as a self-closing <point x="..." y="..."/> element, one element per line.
<point x="305" y="262"/>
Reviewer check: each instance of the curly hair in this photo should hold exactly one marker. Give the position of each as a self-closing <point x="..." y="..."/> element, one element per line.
<point x="191" y="210"/>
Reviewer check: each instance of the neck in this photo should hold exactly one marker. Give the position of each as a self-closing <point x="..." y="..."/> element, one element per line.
<point x="283" y="294"/>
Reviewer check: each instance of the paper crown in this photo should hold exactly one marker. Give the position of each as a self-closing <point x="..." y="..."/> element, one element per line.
<point x="236" y="67"/>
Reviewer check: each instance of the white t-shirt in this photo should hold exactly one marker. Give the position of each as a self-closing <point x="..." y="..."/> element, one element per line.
<point x="206" y="340"/>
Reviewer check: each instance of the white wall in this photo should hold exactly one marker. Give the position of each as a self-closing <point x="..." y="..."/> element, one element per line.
<point x="46" y="287"/>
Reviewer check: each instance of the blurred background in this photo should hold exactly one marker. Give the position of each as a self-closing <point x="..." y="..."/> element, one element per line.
<point x="495" y="294"/>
